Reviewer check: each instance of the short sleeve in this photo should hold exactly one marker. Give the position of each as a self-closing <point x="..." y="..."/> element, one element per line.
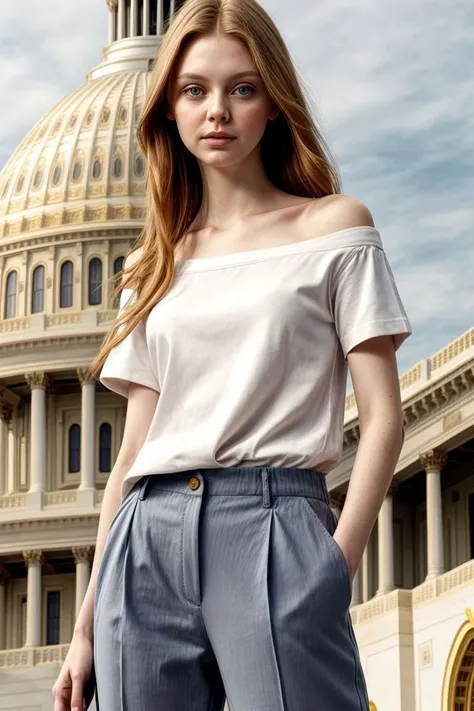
<point x="130" y="361"/>
<point x="365" y="299"/>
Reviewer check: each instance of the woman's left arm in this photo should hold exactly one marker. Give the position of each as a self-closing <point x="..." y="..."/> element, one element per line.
<point x="374" y="375"/>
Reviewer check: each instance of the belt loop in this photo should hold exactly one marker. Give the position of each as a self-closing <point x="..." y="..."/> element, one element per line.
<point x="144" y="486"/>
<point x="266" y="489"/>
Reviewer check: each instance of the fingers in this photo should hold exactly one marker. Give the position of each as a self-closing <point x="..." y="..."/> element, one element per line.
<point x="68" y="694"/>
<point x="77" y="694"/>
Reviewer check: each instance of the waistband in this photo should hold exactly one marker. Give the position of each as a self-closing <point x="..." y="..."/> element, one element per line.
<point x="265" y="481"/>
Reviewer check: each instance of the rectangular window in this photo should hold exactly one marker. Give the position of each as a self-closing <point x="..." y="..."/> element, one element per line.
<point x="53" y="617"/>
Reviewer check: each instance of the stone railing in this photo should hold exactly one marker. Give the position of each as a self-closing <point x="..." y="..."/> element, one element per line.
<point x="32" y="656"/>
<point x="380" y="606"/>
<point x="12" y="501"/>
<point x="68" y="496"/>
<point x="444" y="584"/>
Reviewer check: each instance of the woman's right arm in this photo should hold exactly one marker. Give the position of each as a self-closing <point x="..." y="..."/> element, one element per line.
<point x="142" y="402"/>
<point x="68" y="690"/>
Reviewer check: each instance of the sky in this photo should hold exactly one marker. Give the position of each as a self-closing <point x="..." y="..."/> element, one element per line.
<point x="392" y="89"/>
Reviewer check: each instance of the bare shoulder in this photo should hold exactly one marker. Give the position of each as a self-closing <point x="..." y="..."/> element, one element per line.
<point x="339" y="212"/>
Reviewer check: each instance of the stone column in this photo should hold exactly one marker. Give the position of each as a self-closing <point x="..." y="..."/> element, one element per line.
<point x="432" y="462"/>
<point x="87" y="429"/>
<point x="357" y="587"/>
<point x="83" y="557"/>
<point x="134" y="18"/>
<point x="5" y="416"/>
<point x="11" y="463"/>
<point x="112" y="4"/>
<point x="121" y="20"/>
<point x="365" y="573"/>
<point x="385" y="543"/>
<point x="146" y="17"/>
<point x="4" y="579"/>
<point x="159" y="18"/>
<point x="38" y="383"/>
<point x="33" y="560"/>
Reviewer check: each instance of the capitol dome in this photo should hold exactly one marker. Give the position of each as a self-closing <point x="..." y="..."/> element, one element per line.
<point x="80" y="163"/>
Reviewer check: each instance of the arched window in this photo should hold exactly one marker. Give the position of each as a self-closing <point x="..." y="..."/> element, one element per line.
<point x="139" y="166"/>
<point x="38" y="179"/>
<point x="105" y="447"/>
<point x="19" y="184"/>
<point x="5" y="188"/>
<point x="118" y="167"/>
<point x="96" y="169"/>
<point x="118" y="266"/>
<point x="95" y="282"/>
<point x="57" y="174"/>
<point x="37" y="295"/>
<point x="74" y="449"/>
<point x="77" y="170"/>
<point x="65" y="296"/>
<point x="10" y="296"/>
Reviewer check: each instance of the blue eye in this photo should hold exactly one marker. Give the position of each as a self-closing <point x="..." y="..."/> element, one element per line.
<point x="192" y="87"/>
<point x="243" y="86"/>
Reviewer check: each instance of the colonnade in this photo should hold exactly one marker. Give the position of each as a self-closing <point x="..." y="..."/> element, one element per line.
<point x="34" y="559"/>
<point x="432" y="462"/>
<point x="39" y="383"/>
<point x="124" y="18"/>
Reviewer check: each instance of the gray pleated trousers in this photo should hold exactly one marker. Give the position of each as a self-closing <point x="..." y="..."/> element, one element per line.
<point x="226" y="582"/>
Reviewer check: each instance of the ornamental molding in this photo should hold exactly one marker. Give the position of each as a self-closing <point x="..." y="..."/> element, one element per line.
<point x="76" y="215"/>
<point x="39" y="380"/>
<point x="53" y="342"/>
<point x="111" y="4"/>
<point x="432" y="403"/>
<point x="42" y="524"/>
<point x="72" y="236"/>
<point x="85" y="377"/>
<point x="433" y="460"/>
<point x="33" y="557"/>
<point x="84" y="554"/>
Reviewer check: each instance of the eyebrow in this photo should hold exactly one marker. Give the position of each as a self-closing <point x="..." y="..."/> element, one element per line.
<point x="191" y="75"/>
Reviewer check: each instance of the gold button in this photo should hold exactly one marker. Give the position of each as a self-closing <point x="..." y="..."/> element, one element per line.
<point x="194" y="483"/>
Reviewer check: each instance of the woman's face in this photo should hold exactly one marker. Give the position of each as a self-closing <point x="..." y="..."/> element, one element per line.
<point x="226" y="94"/>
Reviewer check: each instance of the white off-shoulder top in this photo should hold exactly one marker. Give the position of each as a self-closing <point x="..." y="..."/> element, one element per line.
<point x="248" y="352"/>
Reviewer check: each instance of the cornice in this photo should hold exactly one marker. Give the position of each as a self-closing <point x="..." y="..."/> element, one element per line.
<point x="42" y="524"/>
<point x="431" y="402"/>
<point x="50" y="239"/>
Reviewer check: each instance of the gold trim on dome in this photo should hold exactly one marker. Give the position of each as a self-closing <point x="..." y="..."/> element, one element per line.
<point x="52" y="197"/>
<point x="82" y="214"/>
<point x="54" y="219"/>
<point x="97" y="190"/>
<point x="75" y="216"/>
<point x="78" y="193"/>
<point x="138" y="188"/>
<point x="32" y="223"/>
<point x="97" y="214"/>
<point x="56" y="127"/>
<point x="119" y="189"/>
<point x="35" y="202"/>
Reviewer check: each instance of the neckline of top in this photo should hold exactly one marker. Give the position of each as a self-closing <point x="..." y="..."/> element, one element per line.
<point x="350" y="236"/>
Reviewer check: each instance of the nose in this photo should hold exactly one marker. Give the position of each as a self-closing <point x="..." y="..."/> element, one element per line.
<point x="218" y="110"/>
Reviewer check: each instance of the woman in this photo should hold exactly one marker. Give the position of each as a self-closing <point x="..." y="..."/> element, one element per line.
<point x="253" y="288"/>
